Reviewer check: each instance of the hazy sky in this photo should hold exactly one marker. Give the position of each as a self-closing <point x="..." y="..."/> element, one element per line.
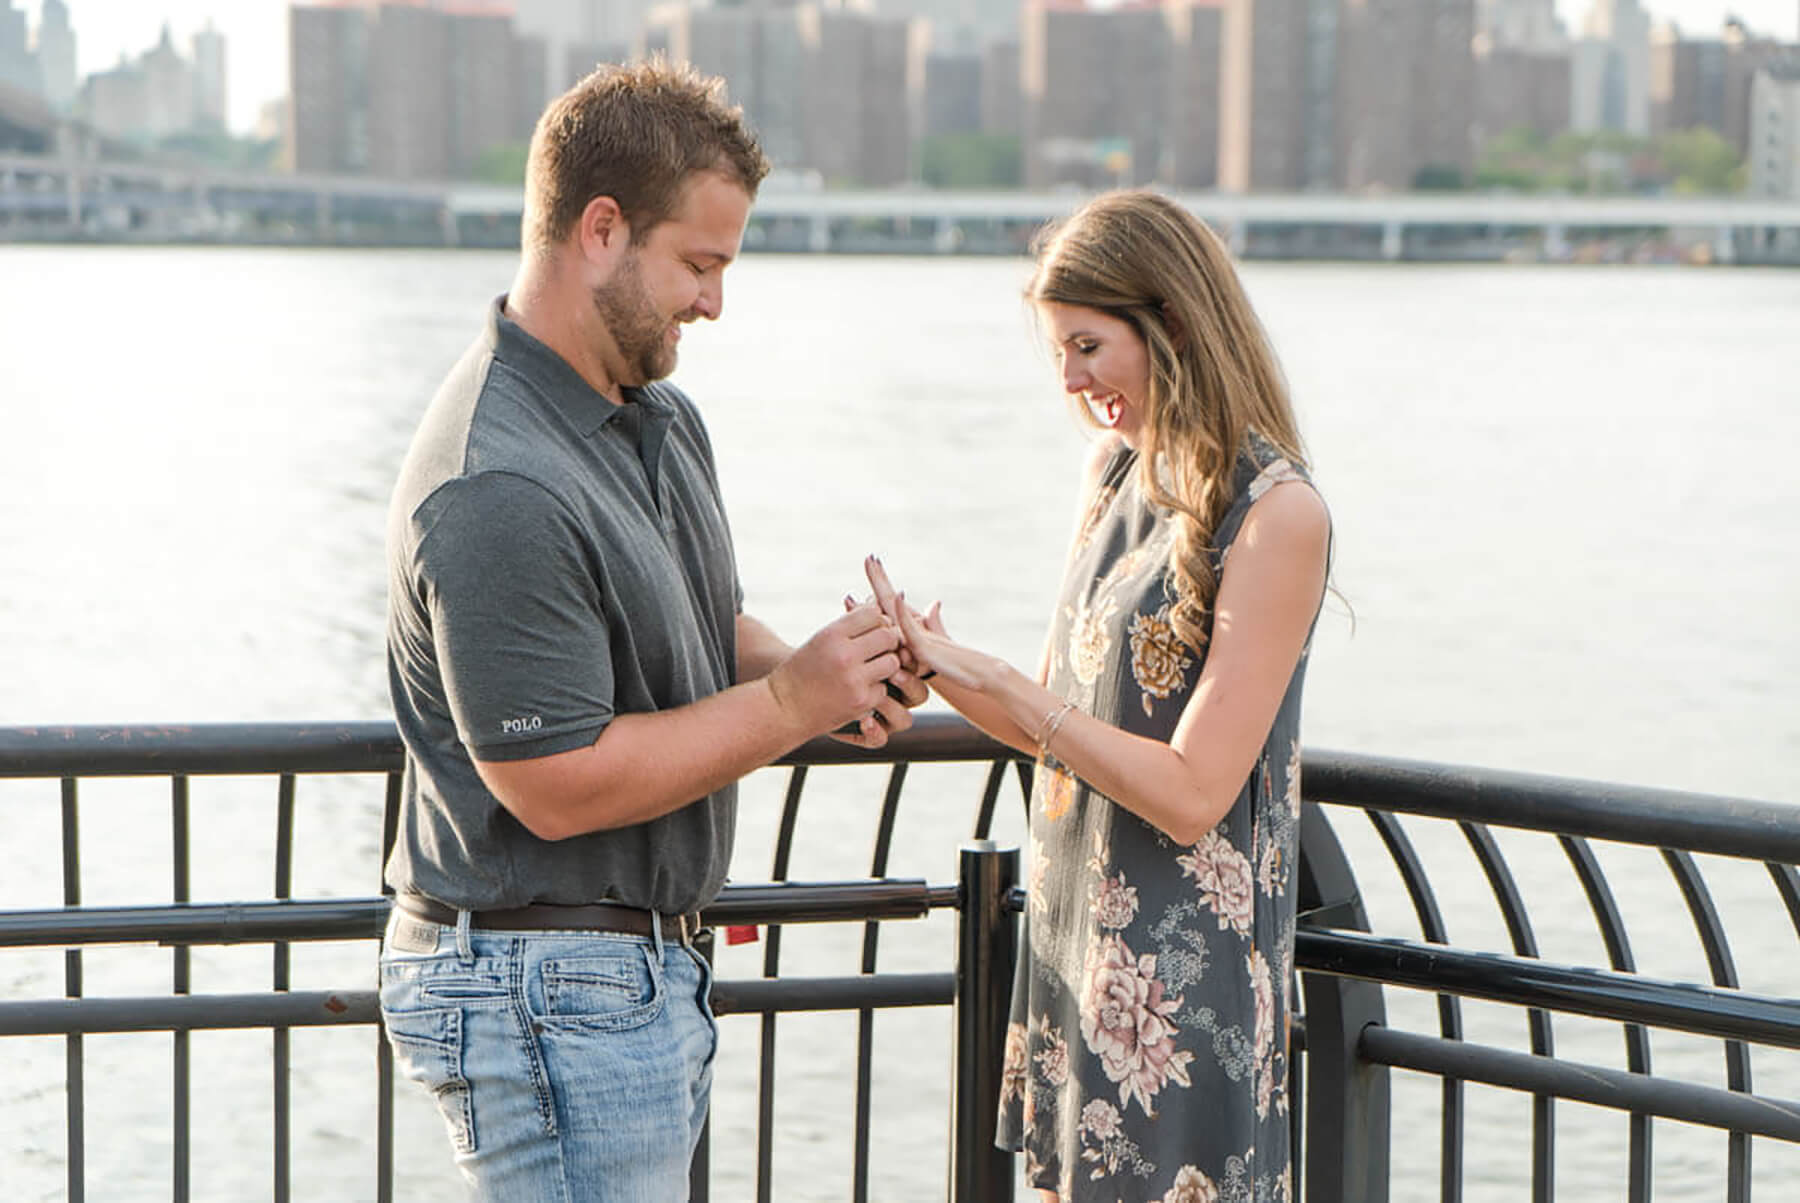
<point x="256" y="33"/>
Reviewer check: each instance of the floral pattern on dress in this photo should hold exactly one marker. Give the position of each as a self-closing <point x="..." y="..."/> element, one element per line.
<point x="1114" y="903"/>
<point x="1277" y="473"/>
<point x="1159" y="659"/>
<point x="1224" y="879"/>
<point x="1090" y="639"/>
<point x="1191" y="1186"/>
<point x="1058" y="795"/>
<point x="1052" y="1057"/>
<point x="1013" y="1066"/>
<point x="1262" y="989"/>
<point x="1040" y="872"/>
<point x="1103" y="1142"/>
<point x="1154" y="998"/>
<point x="1090" y="522"/>
<point x="1126" y="1022"/>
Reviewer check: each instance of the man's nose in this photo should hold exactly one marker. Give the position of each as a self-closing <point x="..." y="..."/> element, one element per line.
<point x="711" y="301"/>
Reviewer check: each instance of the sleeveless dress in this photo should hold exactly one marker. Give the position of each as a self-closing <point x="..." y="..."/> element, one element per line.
<point x="1146" y="1057"/>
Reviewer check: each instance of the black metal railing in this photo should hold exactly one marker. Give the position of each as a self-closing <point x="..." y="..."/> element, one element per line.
<point x="1343" y="1045"/>
<point x="975" y="986"/>
<point x="1677" y="825"/>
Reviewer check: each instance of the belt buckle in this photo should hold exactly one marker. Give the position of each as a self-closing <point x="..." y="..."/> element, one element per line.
<point x="681" y="920"/>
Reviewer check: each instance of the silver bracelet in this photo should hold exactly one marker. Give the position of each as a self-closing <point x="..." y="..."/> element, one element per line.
<point x="1052" y="724"/>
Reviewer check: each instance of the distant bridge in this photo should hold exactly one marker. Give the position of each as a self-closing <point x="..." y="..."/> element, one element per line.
<point x="44" y="197"/>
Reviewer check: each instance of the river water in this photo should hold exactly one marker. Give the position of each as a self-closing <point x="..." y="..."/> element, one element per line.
<point x="1567" y="522"/>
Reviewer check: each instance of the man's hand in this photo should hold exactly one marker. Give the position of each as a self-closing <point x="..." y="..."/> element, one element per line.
<point x="837" y="676"/>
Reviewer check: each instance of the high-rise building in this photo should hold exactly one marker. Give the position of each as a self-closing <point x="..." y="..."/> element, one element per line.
<point x="209" y="78"/>
<point x="1277" y="95"/>
<point x="409" y="105"/>
<point x="949" y="93"/>
<point x="758" y="52"/>
<point x="56" y="55"/>
<point x="1687" y="82"/>
<point x="18" y="66"/>
<point x="1520" y="89"/>
<point x="1611" y="72"/>
<point x="115" y="102"/>
<point x="1000" y="88"/>
<point x="1746" y="53"/>
<point x="1406" y="87"/>
<point x="1197" y="39"/>
<point x="1529" y="25"/>
<point x="409" y="90"/>
<point x="857" y="119"/>
<point x="577" y="35"/>
<point x="1151" y="115"/>
<point x="328" y="89"/>
<point x="959" y="26"/>
<point x="482" y="74"/>
<point x="168" y="89"/>
<point x="1774" y="121"/>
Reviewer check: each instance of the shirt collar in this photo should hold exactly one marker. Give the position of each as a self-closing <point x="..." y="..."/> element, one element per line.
<point x="573" y="397"/>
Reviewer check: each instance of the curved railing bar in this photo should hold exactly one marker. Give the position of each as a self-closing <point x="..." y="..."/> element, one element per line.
<point x="1530" y="982"/>
<point x="1787" y="884"/>
<point x="765" y="1074"/>
<point x="990" y="794"/>
<point x="1431" y="926"/>
<point x="1724" y="973"/>
<point x="865" y="1018"/>
<point x="1518" y="927"/>
<point x="990" y="798"/>
<point x="1657" y="818"/>
<point x="1598" y="1085"/>
<point x="1637" y="1039"/>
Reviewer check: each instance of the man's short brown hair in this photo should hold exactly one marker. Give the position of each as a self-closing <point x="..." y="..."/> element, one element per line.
<point x="634" y="133"/>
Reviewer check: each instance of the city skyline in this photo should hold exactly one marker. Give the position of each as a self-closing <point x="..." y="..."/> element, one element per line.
<point x="256" y="34"/>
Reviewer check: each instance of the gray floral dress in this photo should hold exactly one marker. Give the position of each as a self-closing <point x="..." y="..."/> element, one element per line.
<point x="1146" y="1058"/>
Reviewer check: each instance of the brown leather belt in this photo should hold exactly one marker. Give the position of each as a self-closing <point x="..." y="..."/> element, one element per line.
<point x="543" y="916"/>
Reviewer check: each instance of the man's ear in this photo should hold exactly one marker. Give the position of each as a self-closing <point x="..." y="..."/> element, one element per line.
<point x="602" y="231"/>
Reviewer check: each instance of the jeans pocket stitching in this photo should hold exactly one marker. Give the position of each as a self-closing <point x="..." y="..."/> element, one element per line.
<point x="559" y="973"/>
<point x="419" y="1053"/>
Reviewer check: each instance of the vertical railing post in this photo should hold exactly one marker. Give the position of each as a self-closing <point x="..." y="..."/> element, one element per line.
<point x="74" y="1073"/>
<point x="1346" y="1124"/>
<point x="987" y="945"/>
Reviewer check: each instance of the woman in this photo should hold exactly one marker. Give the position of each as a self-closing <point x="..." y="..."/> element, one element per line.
<point x="1147" y="1054"/>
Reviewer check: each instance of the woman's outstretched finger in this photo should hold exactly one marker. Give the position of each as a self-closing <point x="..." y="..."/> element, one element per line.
<point x="913" y="633"/>
<point x="885" y="596"/>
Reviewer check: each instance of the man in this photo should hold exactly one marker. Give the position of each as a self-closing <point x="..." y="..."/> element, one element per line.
<point x="573" y="676"/>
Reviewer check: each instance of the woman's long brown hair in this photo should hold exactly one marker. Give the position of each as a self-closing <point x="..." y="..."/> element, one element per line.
<point x="1214" y="378"/>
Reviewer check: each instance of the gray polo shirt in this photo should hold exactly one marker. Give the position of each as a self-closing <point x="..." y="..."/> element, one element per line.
<point x="553" y="560"/>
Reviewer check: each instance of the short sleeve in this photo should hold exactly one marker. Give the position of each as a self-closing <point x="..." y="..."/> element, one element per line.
<point x="510" y="584"/>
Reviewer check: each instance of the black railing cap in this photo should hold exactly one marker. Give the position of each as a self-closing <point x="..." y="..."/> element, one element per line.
<point x="1634" y="814"/>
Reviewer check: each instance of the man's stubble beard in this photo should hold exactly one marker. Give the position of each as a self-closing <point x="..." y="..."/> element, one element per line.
<point x="639" y="332"/>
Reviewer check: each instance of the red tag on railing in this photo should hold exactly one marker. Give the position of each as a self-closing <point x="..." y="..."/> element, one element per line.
<point x="740" y="933"/>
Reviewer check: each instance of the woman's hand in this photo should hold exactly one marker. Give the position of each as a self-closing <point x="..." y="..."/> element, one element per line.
<point x="933" y="651"/>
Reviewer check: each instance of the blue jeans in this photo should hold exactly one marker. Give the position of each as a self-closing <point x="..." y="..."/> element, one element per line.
<point x="570" y="1067"/>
